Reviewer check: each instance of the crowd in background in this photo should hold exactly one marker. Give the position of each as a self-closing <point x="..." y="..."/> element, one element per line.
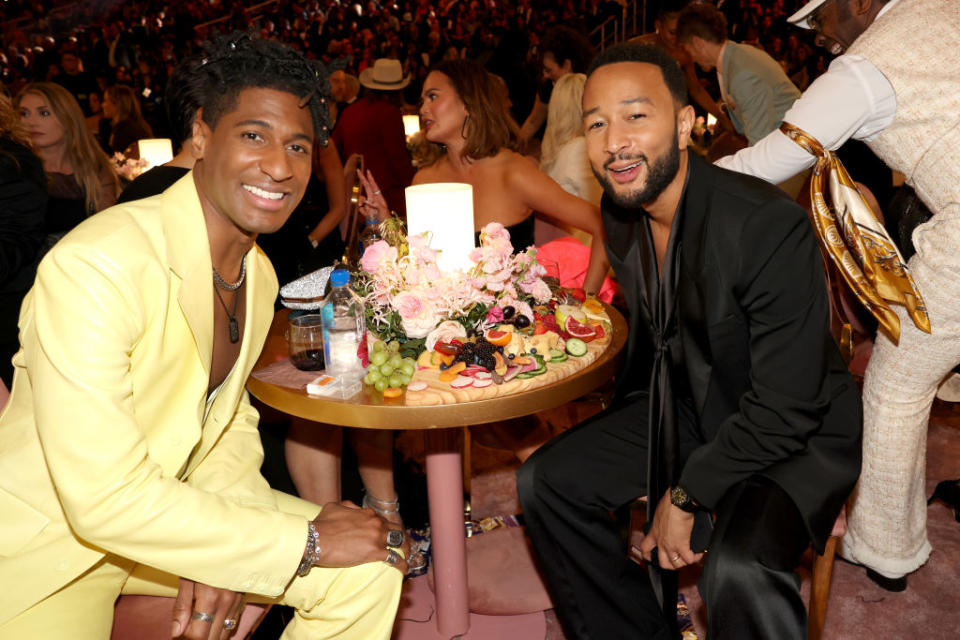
<point x="89" y="47"/>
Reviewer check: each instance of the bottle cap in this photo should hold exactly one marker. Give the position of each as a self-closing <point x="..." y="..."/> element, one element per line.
<point x="339" y="277"/>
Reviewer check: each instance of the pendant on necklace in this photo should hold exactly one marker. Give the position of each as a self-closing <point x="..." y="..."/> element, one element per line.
<point x="234" y="330"/>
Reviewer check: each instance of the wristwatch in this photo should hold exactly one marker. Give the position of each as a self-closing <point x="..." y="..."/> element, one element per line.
<point x="682" y="500"/>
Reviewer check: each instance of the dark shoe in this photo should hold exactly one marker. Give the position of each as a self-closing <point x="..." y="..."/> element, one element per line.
<point x="949" y="492"/>
<point x="895" y="585"/>
<point x="890" y="584"/>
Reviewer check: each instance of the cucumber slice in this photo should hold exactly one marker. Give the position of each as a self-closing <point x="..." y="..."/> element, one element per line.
<point x="557" y="356"/>
<point x="576" y="347"/>
<point x="526" y="374"/>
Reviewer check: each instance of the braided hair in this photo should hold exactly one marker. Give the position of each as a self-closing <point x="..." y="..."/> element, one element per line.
<point x="232" y="63"/>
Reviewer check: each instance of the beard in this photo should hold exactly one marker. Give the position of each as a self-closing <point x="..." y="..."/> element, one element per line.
<point x="659" y="176"/>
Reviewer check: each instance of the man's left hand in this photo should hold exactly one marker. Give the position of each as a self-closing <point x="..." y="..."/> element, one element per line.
<point x="202" y="612"/>
<point x="670" y="534"/>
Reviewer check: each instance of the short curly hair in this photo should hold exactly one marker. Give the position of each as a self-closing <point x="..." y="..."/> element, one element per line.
<point x="239" y="61"/>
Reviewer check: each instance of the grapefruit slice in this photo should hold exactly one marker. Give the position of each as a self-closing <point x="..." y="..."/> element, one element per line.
<point x="577" y="329"/>
<point x="498" y="338"/>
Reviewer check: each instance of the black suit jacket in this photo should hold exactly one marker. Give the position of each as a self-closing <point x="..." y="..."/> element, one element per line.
<point x="771" y="393"/>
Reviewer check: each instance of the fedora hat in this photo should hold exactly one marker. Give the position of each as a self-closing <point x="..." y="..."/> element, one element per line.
<point x="800" y="17"/>
<point x="386" y="74"/>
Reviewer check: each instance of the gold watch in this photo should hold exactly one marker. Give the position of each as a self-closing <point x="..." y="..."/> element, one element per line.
<point x="682" y="500"/>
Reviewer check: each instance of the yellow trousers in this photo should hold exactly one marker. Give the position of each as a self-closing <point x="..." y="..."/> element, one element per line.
<point x="357" y="603"/>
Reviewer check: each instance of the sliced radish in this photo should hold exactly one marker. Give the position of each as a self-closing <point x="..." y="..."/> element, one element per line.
<point x="417" y="385"/>
<point x="472" y="370"/>
<point x="461" y="382"/>
<point x="482" y="375"/>
<point x="480" y="383"/>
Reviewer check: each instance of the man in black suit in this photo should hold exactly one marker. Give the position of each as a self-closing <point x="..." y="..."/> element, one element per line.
<point x="733" y="401"/>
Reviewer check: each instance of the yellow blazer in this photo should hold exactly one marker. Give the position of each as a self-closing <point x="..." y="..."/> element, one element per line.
<point x="109" y="443"/>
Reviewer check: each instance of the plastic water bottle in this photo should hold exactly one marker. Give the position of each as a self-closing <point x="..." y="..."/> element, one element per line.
<point x="343" y="328"/>
<point x="370" y="233"/>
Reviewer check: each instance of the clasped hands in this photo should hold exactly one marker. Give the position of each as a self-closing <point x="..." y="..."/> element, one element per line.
<point x="348" y="536"/>
<point x="670" y="536"/>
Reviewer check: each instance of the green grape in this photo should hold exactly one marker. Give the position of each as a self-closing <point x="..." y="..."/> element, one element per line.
<point x="396" y="380"/>
<point x="367" y="379"/>
<point x="408" y="366"/>
<point x="374" y="374"/>
<point x="386" y="370"/>
<point x="379" y="345"/>
<point x="381" y="384"/>
<point x="395" y="360"/>
<point x="404" y="380"/>
<point x="394" y="346"/>
<point x="378" y="358"/>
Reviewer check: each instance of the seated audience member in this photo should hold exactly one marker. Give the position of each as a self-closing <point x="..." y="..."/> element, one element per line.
<point x="733" y="400"/>
<point x="344" y="89"/>
<point x="373" y="128"/>
<point x="80" y="178"/>
<point x="563" y="154"/>
<point x="122" y="108"/>
<point x="23" y="204"/>
<point x="875" y="91"/>
<point x="471" y="138"/>
<point x="131" y="444"/>
<point x="182" y="98"/>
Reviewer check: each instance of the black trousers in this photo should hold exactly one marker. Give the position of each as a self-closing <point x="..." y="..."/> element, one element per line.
<point x="568" y="490"/>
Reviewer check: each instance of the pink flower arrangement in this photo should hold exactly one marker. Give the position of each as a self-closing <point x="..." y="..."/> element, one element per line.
<point x="407" y="296"/>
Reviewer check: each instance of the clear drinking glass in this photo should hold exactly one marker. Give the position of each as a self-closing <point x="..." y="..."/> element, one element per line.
<point x="305" y="341"/>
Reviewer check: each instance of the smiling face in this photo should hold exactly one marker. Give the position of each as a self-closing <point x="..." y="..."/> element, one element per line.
<point x="253" y="166"/>
<point x="836" y="26"/>
<point x="44" y="126"/>
<point x="442" y="113"/>
<point x="635" y="133"/>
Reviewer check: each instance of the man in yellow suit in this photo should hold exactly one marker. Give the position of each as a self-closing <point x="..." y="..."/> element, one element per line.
<point x="129" y="451"/>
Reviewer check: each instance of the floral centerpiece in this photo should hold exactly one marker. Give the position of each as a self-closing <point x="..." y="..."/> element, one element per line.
<point x="128" y="168"/>
<point x="410" y="300"/>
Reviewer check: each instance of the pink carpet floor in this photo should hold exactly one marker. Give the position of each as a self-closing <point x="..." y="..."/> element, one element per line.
<point x="929" y="608"/>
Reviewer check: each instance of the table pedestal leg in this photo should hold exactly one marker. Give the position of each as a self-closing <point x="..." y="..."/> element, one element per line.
<point x="445" y="494"/>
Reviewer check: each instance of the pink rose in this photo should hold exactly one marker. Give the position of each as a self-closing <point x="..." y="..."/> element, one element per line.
<point x="376" y="254"/>
<point x="417" y="316"/>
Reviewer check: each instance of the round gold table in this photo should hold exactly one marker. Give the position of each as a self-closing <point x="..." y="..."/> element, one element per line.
<point x="444" y="464"/>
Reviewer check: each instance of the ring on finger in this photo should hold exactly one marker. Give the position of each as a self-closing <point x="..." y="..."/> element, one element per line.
<point x="392" y="557"/>
<point x="229" y="624"/>
<point x="675" y="558"/>
<point x="394" y="538"/>
<point x="202" y="617"/>
<point x="377" y="192"/>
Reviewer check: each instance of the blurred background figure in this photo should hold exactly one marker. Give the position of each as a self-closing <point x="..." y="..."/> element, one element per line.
<point x="23" y="204"/>
<point x="122" y="108"/>
<point x="563" y="155"/>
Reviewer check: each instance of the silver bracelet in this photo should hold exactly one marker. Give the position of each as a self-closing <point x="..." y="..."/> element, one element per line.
<point x="311" y="554"/>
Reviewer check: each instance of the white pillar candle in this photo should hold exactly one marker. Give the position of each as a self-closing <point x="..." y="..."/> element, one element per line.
<point x="411" y="125"/>
<point x="445" y="211"/>
<point x="155" y="151"/>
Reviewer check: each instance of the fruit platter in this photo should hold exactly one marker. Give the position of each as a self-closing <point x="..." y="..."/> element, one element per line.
<point x="517" y="354"/>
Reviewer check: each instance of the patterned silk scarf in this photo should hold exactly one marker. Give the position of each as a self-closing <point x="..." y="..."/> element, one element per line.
<point x="856" y="241"/>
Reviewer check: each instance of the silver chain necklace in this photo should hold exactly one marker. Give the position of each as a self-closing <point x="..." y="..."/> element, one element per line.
<point x="231" y="286"/>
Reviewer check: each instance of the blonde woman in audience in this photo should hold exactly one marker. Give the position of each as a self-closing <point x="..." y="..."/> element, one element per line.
<point x="564" y="154"/>
<point x="80" y="178"/>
